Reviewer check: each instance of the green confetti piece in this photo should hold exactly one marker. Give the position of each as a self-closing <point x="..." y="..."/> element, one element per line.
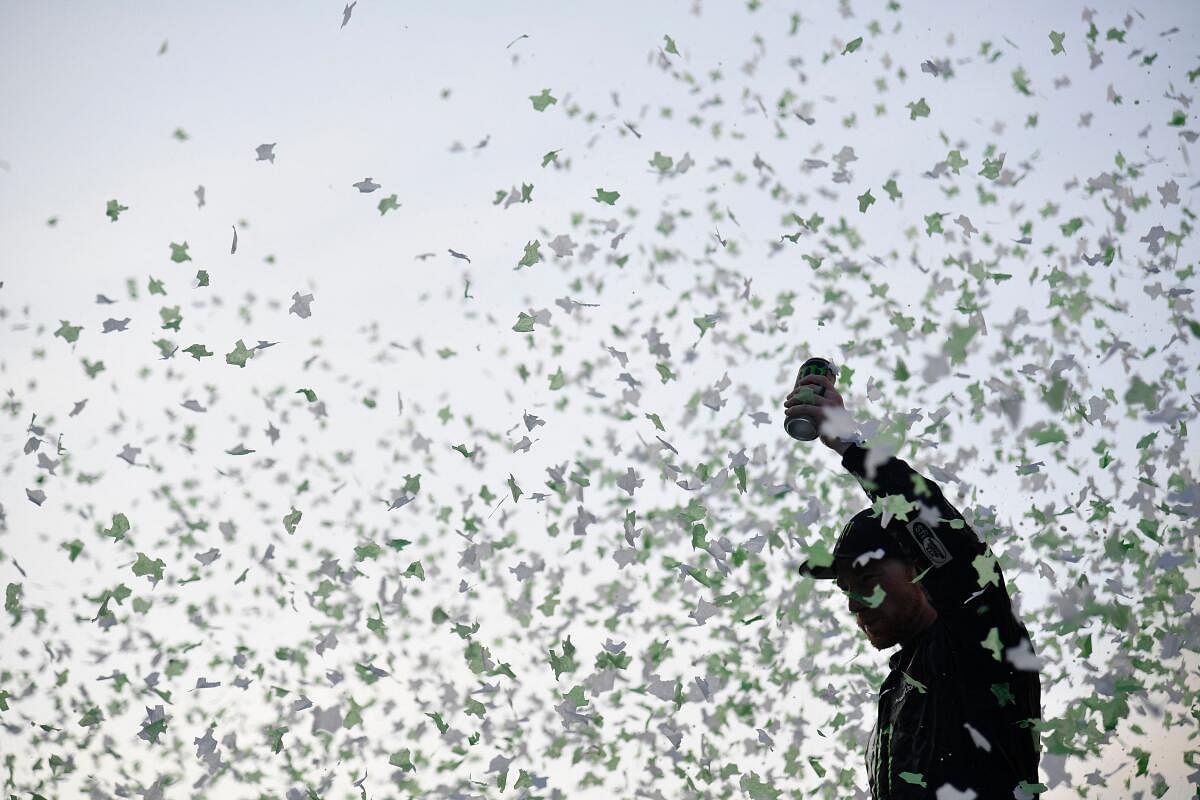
<point x="291" y="520"/>
<point x="114" y="209"/>
<point x="992" y="643"/>
<point x="865" y="200"/>
<point x="179" y="253"/>
<point x="991" y="168"/>
<point x="606" y="197"/>
<point x="388" y="203"/>
<point x="275" y="737"/>
<point x="1056" y="43"/>
<point x="152" y="730"/>
<point x="68" y="332"/>
<point x="704" y="324"/>
<point x="524" y="323"/>
<point x="239" y="355"/>
<point x="985" y="567"/>
<point x="933" y="223"/>
<point x="876" y="598"/>
<point x="353" y="715"/>
<point x="92" y="717"/>
<point x="1021" y="82"/>
<point x="1071" y="226"/>
<point x="376" y="624"/>
<point x="171" y="318"/>
<point x="958" y="341"/>
<point x="852" y="45"/>
<point x="1141" y="393"/>
<point x="145" y="566"/>
<point x="566" y="661"/>
<point x="543" y="100"/>
<point x="531" y="256"/>
<point x="1047" y="433"/>
<point x="1149" y="528"/>
<point x="12" y="599"/>
<point x="917" y="108"/>
<point x="370" y="550"/>
<point x="474" y="708"/>
<point x="757" y="789"/>
<point x="73" y="548"/>
<point x="197" y="351"/>
<point x="442" y="726"/>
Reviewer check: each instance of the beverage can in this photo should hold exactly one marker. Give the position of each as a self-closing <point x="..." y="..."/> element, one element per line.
<point x="804" y="427"/>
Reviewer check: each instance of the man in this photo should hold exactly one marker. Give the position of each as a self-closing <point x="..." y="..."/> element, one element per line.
<point x="963" y="699"/>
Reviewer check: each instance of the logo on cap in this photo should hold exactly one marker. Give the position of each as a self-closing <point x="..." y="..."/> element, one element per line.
<point x="929" y="543"/>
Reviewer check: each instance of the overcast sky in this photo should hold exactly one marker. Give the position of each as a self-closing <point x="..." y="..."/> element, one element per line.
<point x="433" y="104"/>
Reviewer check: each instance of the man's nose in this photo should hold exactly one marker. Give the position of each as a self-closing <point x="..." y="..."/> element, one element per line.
<point x="855" y="604"/>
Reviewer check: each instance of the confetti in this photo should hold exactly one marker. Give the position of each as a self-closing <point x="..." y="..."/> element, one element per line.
<point x="564" y="565"/>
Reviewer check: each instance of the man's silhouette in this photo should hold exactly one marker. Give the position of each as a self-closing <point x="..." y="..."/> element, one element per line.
<point x="963" y="698"/>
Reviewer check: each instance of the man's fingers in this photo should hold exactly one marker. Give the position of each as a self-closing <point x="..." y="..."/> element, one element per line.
<point x="823" y="380"/>
<point x="805" y="394"/>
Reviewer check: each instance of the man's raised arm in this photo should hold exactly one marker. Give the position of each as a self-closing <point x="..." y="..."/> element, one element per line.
<point x="961" y="576"/>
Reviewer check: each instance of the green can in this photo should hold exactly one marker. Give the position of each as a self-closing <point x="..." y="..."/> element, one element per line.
<point x="804" y="427"/>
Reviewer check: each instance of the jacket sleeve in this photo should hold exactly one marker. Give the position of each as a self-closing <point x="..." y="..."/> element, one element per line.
<point x="960" y="575"/>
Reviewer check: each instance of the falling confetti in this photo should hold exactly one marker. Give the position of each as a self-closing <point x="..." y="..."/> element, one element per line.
<point x="564" y="565"/>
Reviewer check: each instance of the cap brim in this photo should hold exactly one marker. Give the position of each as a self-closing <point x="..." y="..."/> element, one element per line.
<point x="820" y="573"/>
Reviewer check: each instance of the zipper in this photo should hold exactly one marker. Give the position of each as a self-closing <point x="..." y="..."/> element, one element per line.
<point x="886" y="743"/>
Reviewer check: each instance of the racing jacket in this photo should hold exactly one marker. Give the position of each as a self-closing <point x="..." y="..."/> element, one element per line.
<point x="963" y="698"/>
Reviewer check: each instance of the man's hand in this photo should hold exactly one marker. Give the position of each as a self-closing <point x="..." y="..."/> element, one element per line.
<point x="815" y="396"/>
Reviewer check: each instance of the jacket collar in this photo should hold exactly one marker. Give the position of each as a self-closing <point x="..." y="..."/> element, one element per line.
<point x="906" y="650"/>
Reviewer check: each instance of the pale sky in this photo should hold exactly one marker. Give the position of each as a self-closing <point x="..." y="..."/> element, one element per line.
<point x="90" y="109"/>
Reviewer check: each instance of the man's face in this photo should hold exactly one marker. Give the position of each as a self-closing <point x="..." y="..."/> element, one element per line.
<point x="903" y="610"/>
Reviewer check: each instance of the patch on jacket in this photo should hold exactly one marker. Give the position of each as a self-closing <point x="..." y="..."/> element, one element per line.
<point x="929" y="543"/>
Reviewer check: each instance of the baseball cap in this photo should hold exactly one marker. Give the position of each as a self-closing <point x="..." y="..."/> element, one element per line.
<point x="861" y="534"/>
